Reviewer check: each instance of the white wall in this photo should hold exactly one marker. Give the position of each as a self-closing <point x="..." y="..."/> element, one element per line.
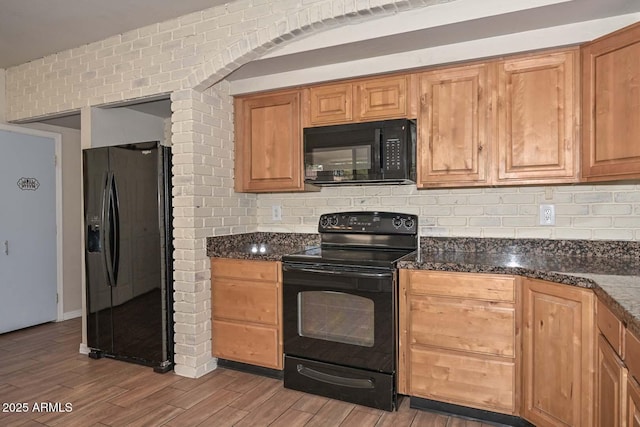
<point x="71" y="217"/>
<point x="114" y="126"/>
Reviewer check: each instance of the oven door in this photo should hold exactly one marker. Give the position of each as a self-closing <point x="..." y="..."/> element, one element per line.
<point x="340" y="315"/>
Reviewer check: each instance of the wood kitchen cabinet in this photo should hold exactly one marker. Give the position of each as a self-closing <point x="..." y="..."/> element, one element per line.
<point x="558" y="354"/>
<point x="454" y="124"/>
<point x="632" y="361"/>
<point x="611" y="377"/>
<point x="268" y="145"/>
<point x="358" y="100"/>
<point x="611" y="97"/>
<point x="246" y="311"/>
<point x="618" y="370"/>
<point x="538" y="118"/>
<point x="633" y="403"/>
<point x="459" y="339"/>
<point x="504" y="122"/>
<point x="611" y="386"/>
<point x="617" y="388"/>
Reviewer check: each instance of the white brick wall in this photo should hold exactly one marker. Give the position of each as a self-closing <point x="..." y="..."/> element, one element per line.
<point x="602" y="212"/>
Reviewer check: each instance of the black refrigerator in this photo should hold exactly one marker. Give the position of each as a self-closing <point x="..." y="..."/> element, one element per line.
<point x="128" y="253"/>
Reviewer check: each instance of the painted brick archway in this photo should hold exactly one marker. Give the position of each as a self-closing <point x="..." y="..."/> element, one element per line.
<point x="203" y="137"/>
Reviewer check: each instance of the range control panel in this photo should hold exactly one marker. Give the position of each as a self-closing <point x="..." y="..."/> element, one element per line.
<point x="369" y="223"/>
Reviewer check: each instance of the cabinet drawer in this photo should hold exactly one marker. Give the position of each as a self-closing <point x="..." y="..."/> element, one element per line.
<point x="256" y="345"/>
<point x="489" y="287"/>
<point x="466" y="325"/>
<point x="245" y="301"/>
<point x="463" y="379"/>
<point x="245" y="269"/>
<point x="611" y="327"/>
<point x="632" y="354"/>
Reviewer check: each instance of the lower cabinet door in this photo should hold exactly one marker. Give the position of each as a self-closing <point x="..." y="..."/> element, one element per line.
<point x="463" y="379"/>
<point x="633" y="403"/>
<point x="612" y="383"/>
<point x="558" y="354"/>
<point x="256" y="345"/>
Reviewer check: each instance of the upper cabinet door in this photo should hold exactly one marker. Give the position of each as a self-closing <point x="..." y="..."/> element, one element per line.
<point x="330" y="104"/>
<point x="538" y="113"/>
<point x="611" y="97"/>
<point x="358" y="100"/>
<point x="454" y="120"/>
<point x="384" y="98"/>
<point x="268" y="143"/>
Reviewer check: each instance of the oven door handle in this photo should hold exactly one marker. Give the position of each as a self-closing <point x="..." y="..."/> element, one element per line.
<point x="344" y="273"/>
<point x="333" y="379"/>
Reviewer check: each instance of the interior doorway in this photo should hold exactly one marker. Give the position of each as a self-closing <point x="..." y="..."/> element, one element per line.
<point x="30" y="228"/>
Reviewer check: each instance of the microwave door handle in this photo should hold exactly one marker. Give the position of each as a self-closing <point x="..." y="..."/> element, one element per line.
<point x="378" y="159"/>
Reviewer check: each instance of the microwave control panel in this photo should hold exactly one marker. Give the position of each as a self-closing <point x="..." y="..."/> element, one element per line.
<point x="392" y="154"/>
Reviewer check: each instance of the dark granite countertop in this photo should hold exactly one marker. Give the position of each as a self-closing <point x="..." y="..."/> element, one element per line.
<point x="260" y="245"/>
<point x="610" y="268"/>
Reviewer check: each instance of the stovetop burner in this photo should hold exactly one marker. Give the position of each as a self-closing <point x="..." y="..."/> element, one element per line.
<point x="352" y="256"/>
<point x="371" y="239"/>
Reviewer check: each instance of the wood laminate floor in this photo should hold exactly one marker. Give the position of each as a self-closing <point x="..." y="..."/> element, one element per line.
<point x="43" y="375"/>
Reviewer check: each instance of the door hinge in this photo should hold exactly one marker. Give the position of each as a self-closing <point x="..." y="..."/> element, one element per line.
<point x="57" y="298"/>
<point x="55" y="160"/>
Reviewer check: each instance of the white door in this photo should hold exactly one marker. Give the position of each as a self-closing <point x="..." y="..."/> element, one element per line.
<point x="28" y="259"/>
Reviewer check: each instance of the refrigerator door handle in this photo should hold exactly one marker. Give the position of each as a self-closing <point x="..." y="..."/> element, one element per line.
<point x="115" y="250"/>
<point x="107" y="220"/>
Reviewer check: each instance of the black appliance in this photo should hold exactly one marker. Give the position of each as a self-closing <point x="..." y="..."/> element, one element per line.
<point x="340" y="308"/>
<point x="128" y="253"/>
<point x="381" y="152"/>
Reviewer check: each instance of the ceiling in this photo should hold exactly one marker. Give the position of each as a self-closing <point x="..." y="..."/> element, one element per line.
<point x="31" y="29"/>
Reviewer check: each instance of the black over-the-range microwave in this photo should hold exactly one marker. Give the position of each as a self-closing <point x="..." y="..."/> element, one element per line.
<point x="382" y="152"/>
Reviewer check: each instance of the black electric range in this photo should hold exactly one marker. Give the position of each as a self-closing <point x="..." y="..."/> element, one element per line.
<point x="340" y="308"/>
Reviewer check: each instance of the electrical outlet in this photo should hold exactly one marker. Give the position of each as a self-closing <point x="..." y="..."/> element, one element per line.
<point x="547" y="215"/>
<point x="276" y="213"/>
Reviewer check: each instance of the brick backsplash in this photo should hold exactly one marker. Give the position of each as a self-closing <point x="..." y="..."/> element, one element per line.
<point x="600" y="212"/>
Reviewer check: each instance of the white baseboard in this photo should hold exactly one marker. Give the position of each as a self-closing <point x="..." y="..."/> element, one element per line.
<point x="84" y="349"/>
<point x="71" y="314"/>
